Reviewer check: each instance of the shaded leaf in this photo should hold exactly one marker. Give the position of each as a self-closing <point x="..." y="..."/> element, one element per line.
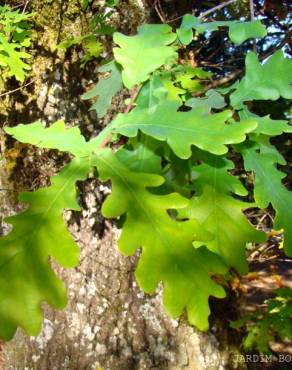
<point x="105" y="89"/>
<point x="268" y="188"/>
<point x="220" y="213"/>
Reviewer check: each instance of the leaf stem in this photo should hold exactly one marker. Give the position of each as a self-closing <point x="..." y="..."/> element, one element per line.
<point x="251" y="7"/>
<point x="126" y="111"/>
<point x="215" y="8"/>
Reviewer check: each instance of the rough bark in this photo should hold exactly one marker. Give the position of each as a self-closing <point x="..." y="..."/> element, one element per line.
<point x="109" y="322"/>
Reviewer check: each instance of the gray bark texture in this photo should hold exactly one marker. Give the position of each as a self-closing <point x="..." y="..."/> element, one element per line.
<point x="109" y="323"/>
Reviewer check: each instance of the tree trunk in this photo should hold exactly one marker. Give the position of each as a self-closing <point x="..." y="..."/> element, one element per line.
<point x="109" y="322"/>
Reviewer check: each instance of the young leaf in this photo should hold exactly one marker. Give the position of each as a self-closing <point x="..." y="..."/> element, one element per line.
<point x="167" y="249"/>
<point x="261" y="82"/>
<point x="143" y="53"/>
<point x="220" y="213"/>
<point x="183" y="129"/>
<point x="105" y="89"/>
<point x="26" y="278"/>
<point x="269" y="189"/>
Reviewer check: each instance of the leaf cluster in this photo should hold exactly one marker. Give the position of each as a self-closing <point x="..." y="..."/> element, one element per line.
<point x="267" y="326"/>
<point x="174" y="189"/>
<point x="14" y="38"/>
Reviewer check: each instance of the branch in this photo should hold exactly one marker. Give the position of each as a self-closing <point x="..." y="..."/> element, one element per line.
<point x="251" y="8"/>
<point x="220" y="82"/>
<point x="203" y="15"/>
<point x="127" y="110"/>
<point x="235" y="74"/>
<point x="19" y="88"/>
<point x="218" y="7"/>
<point x="25" y="6"/>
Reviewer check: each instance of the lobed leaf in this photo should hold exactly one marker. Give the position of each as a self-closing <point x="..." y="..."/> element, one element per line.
<point x="268" y="188"/>
<point x="26" y="278"/>
<point x="261" y="82"/>
<point x="167" y="250"/>
<point x="238" y="31"/>
<point x="105" y="89"/>
<point x="220" y="213"/>
<point x="183" y="129"/>
<point x="57" y="136"/>
<point x="145" y="52"/>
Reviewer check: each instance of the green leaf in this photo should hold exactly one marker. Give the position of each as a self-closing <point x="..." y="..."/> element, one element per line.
<point x="72" y="41"/>
<point x="238" y="31"/>
<point x="185" y="32"/>
<point x="14" y="37"/>
<point x="145" y="52"/>
<point x="220" y="213"/>
<point x="266" y="147"/>
<point x="92" y="49"/>
<point x="85" y="4"/>
<point x="261" y="82"/>
<point x="26" y="278"/>
<point x="268" y="188"/>
<point x="242" y="31"/>
<point x="57" y="136"/>
<point x="167" y="251"/>
<point x="105" y="89"/>
<point x="183" y="129"/>
<point x="266" y="125"/>
<point x="152" y="92"/>
<point x="142" y="158"/>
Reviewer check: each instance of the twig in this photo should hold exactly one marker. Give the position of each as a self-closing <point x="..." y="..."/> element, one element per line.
<point x="159" y="11"/>
<point x="203" y="15"/>
<point x="19" y="88"/>
<point x="251" y="8"/>
<point x="218" y="7"/>
<point x="270" y="16"/>
<point x="127" y="110"/>
<point x="235" y="74"/>
<point x="133" y="98"/>
<point x="220" y="82"/>
<point x="25" y="6"/>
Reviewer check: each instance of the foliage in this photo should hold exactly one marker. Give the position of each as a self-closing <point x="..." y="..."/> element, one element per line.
<point x="275" y="321"/>
<point x="174" y="189"/>
<point x="99" y="25"/>
<point x="91" y="47"/>
<point x="14" y="38"/>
